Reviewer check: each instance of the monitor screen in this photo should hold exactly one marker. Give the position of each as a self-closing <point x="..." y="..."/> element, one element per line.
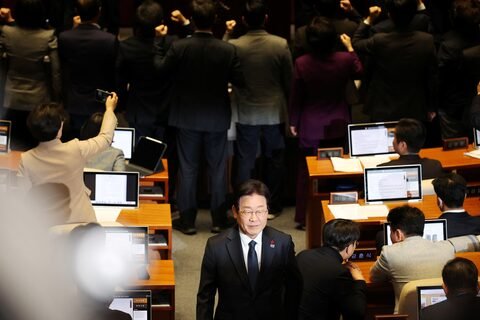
<point x="148" y="153"/>
<point x="367" y="139"/>
<point x="476" y="138"/>
<point x="5" y="130"/>
<point x="429" y="295"/>
<point x="137" y="303"/>
<point x="434" y="230"/>
<point x="394" y="183"/>
<point x="124" y="139"/>
<point x="118" y="189"/>
<point x="132" y="241"/>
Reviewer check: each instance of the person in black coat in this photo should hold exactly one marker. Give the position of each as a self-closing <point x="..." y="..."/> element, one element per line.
<point x="332" y="288"/>
<point x="460" y="283"/>
<point x="451" y="190"/>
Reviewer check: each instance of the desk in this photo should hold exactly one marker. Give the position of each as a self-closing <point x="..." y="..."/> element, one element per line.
<point x="162" y="285"/>
<point x="158" y="219"/>
<point x="10" y="160"/>
<point x="322" y="171"/>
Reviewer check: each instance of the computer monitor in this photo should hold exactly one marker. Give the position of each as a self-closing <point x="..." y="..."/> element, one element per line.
<point x="368" y="139"/>
<point x="434" y="230"/>
<point x="5" y="133"/>
<point x="429" y="295"/>
<point x="130" y="241"/>
<point x="124" y="139"/>
<point x="393" y="183"/>
<point x="137" y="303"/>
<point x="476" y="138"/>
<point x="112" y="188"/>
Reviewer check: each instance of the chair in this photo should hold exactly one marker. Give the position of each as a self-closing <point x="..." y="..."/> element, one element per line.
<point x="408" y="301"/>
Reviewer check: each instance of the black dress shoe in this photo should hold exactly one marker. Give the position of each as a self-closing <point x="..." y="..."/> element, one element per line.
<point x="177" y="225"/>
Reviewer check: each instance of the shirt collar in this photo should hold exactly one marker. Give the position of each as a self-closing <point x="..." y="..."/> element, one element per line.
<point x="246" y="239"/>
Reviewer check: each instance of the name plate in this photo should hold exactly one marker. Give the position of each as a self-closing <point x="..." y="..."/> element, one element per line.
<point x="455" y="143"/>
<point x="327" y="153"/>
<point x="364" y="254"/>
<point x="343" y="197"/>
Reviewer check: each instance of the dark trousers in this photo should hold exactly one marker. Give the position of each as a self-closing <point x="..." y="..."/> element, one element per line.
<point x="189" y="144"/>
<point x="272" y="146"/>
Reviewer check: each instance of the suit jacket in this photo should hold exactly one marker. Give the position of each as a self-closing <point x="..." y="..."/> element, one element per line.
<point x="420" y="22"/>
<point x="328" y="287"/>
<point x="200" y="68"/>
<point x="403" y="81"/>
<point x="223" y="271"/>
<point x="33" y="69"/>
<point x="461" y="307"/>
<point x="110" y="159"/>
<point x="266" y="63"/>
<point x="475" y="112"/>
<point x="431" y="168"/>
<point x="318" y="108"/>
<point x="414" y="258"/>
<point x="54" y="161"/>
<point x="461" y="224"/>
<point x="88" y="61"/>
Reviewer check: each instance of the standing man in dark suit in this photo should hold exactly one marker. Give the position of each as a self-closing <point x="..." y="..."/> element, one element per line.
<point x="403" y="79"/>
<point x="460" y="283"/>
<point x="252" y="266"/>
<point x="451" y="190"/>
<point x="88" y="56"/>
<point x="200" y="68"/>
<point x="332" y="288"/>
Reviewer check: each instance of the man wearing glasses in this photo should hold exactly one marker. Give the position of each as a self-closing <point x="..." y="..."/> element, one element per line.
<point x="251" y="265"/>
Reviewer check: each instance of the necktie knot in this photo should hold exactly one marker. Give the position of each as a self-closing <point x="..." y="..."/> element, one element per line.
<point x="252" y="244"/>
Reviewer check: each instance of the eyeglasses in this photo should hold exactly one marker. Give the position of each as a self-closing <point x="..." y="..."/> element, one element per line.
<point x="258" y="213"/>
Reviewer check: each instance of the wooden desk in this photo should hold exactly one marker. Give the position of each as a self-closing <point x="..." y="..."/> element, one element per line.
<point x="321" y="171"/>
<point x="162" y="285"/>
<point x="10" y="160"/>
<point x="157" y="217"/>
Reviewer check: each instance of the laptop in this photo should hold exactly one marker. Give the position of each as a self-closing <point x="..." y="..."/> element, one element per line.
<point x="393" y="183"/>
<point x="137" y="303"/>
<point x="476" y="138"/>
<point x="368" y="139"/>
<point x="130" y="243"/>
<point x="147" y="156"/>
<point x="124" y="139"/>
<point x="5" y="133"/>
<point x="429" y="295"/>
<point x="434" y="230"/>
<point x="112" y="191"/>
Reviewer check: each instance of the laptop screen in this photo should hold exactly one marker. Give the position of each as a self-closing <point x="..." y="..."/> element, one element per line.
<point x="137" y="303"/>
<point x="114" y="189"/>
<point x="476" y="138"/>
<point x="434" y="230"/>
<point x="124" y="139"/>
<point x="5" y="129"/>
<point x="429" y="295"/>
<point x="394" y="183"/>
<point x="148" y="153"/>
<point x="368" y="139"/>
<point x="131" y="241"/>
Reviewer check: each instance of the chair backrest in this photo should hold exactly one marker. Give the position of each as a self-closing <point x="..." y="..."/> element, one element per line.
<point x="427" y="187"/>
<point x="391" y="316"/>
<point x="408" y="302"/>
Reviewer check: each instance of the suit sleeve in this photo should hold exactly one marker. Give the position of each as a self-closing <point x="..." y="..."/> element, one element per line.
<point x="361" y="40"/>
<point x="287" y="71"/>
<point x="293" y="285"/>
<point x="297" y="95"/>
<point x="351" y="298"/>
<point x="56" y="78"/>
<point x="119" y="162"/>
<point x="92" y="146"/>
<point x="208" y="286"/>
<point x="236" y="73"/>
<point x="380" y="271"/>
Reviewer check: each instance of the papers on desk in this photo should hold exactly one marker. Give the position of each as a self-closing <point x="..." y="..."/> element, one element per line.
<point x="107" y="214"/>
<point x="357" y="212"/>
<point x="373" y="161"/>
<point x="346" y="165"/>
<point x="473" y="154"/>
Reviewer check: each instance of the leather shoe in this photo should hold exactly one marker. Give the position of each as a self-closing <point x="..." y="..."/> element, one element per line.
<point x="177" y="225"/>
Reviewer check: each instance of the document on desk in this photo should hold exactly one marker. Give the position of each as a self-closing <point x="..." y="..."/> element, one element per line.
<point x="373" y="161"/>
<point x="473" y="154"/>
<point x="374" y="210"/>
<point x="346" y="165"/>
<point x="347" y="211"/>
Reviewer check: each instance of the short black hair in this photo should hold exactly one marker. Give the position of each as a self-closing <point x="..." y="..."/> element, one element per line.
<point x="321" y="36"/>
<point x="254" y="13"/>
<point x="248" y="188"/>
<point x="92" y="126"/>
<point x="451" y="188"/>
<point x="409" y="220"/>
<point x="45" y="120"/>
<point x="466" y="15"/>
<point x="401" y="11"/>
<point x="30" y="14"/>
<point x="412" y="132"/>
<point x="148" y="16"/>
<point x="340" y="233"/>
<point x="204" y="13"/>
<point x="88" y="9"/>
<point x="460" y="276"/>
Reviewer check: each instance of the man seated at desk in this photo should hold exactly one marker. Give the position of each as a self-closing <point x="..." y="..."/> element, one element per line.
<point x="451" y="190"/>
<point x="410" y="135"/>
<point x="410" y="257"/>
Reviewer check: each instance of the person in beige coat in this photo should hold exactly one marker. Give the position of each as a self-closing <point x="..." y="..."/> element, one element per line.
<point x="55" y="162"/>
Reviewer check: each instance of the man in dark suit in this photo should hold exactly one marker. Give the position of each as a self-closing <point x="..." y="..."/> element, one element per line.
<point x="331" y="288"/>
<point x="451" y="190"/>
<point x="460" y="283"/>
<point x="420" y="22"/>
<point x="252" y="266"/>
<point x="88" y="56"/>
<point x="410" y="135"/>
<point x="201" y="67"/>
<point x="403" y="77"/>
